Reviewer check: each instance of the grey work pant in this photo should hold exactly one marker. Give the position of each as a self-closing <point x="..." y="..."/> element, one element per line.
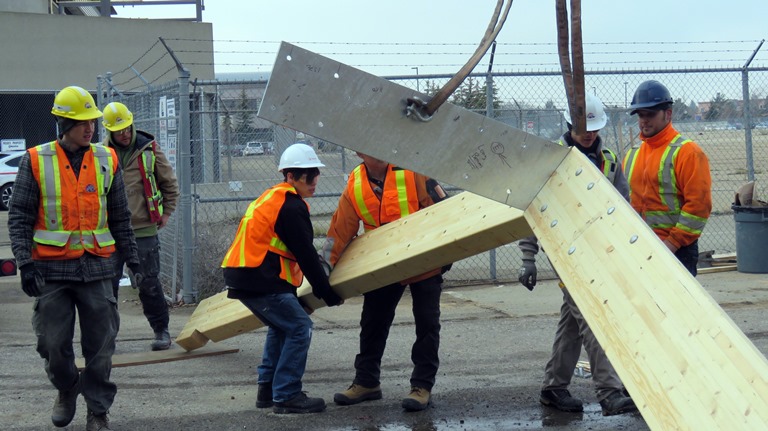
<point x="151" y="292"/>
<point x="53" y="320"/>
<point x="572" y="332"/>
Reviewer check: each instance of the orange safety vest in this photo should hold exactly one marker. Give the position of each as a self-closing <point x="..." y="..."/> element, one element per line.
<point x="72" y="213"/>
<point x="399" y="197"/>
<point x="256" y="236"/>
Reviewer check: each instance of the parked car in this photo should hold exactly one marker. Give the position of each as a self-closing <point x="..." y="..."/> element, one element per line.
<point x="9" y="167"/>
<point x="234" y="150"/>
<point x="253" y="148"/>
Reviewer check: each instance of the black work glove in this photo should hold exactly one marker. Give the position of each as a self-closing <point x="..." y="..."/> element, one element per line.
<point x="137" y="274"/>
<point x="528" y="270"/>
<point x="32" y="282"/>
<point x="328" y="295"/>
<point x="332" y="299"/>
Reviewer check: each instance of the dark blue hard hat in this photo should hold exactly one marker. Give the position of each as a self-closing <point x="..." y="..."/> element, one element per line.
<point x="649" y="95"/>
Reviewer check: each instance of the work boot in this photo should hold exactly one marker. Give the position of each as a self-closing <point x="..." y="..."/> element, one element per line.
<point x="616" y="403"/>
<point x="357" y="394"/>
<point x="300" y="404"/>
<point x="561" y="399"/>
<point x="162" y="340"/>
<point x="264" y="396"/>
<point x="97" y="422"/>
<point x="417" y="400"/>
<point x="65" y="405"/>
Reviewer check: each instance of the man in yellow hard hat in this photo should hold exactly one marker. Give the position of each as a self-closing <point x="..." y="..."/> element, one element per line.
<point x="68" y="216"/>
<point x="152" y="195"/>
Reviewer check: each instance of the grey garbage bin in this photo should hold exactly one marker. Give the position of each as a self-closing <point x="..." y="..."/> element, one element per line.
<point x="751" y="239"/>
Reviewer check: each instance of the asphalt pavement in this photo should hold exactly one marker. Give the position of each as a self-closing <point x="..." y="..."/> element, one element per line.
<point x="495" y="342"/>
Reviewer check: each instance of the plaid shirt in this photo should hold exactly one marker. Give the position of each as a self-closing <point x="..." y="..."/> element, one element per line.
<point x="22" y="216"/>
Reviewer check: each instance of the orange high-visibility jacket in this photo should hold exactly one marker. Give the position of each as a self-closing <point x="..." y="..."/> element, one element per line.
<point x="72" y="213"/>
<point x="398" y="197"/>
<point x="670" y="185"/>
<point x="404" y="192"/>
<point x="256" y="236"/>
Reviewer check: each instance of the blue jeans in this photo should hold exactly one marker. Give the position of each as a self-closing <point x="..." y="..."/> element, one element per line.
<point x="54" y="322"/>
<point x="287" y="343"/>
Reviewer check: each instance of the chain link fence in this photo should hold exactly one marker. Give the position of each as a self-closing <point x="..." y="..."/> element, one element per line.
<point x="234" y="155"/>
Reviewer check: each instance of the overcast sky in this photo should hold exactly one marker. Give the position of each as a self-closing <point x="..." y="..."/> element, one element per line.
<point x="616" y="33"/>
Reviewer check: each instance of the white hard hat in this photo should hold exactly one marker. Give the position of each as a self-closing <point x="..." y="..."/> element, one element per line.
<point x="596" y="117"/>
<point x="299" y="156"/>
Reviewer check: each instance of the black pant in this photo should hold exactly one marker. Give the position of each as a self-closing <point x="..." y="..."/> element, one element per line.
<point x="689" y="256"/>
<point x="151" y="292"/>
<point x="379" y="312"/>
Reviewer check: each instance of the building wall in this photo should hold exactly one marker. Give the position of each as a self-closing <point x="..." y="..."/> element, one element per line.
<point x="30" y="6"/>
<point x="44" y="52"/>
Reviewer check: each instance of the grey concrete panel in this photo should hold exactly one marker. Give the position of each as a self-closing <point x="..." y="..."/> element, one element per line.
<point x="360" y="111"/>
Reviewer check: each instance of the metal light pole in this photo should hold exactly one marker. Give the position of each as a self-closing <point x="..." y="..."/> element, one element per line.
<point x="417" y="78"/>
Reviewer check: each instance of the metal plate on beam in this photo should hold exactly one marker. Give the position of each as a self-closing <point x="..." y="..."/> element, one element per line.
<point x="356" y="110"/>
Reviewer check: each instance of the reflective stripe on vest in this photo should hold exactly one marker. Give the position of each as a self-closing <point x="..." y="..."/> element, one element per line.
<point x="255" y="237"/>
<point x="152" y="196"/>
<point x="668" y="192"/>
<point x="608" y="163"/>
<point x="50" y="229"/>
<point x="398" y="198"/>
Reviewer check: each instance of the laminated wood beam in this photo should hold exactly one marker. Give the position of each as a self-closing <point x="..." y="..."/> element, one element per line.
<point x="457" y="228"/>
<point x="684" y="361"/>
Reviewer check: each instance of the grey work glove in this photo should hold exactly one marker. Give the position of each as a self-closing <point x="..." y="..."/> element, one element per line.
<point x="137" y="274"/>
<point x="325" y="252"/>
<point x="528" y="271"/>
<point x="326" y="266"/>
<point x="32" y="281"/>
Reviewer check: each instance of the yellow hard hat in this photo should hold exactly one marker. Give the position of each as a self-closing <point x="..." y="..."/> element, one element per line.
<point x="117" y="117"/>
<point x="76" y="104"/>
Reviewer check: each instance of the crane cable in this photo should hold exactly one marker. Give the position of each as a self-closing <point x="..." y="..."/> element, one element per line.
<point x="573" y="76"/>
<point x="418" y="109"/>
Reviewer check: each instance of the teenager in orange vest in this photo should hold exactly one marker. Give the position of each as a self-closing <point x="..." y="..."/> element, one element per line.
<point x="670" y="185"/>
<point x="378" y="193"/>
<point x="152" y="195"/>
<point x="271" y="253"/>
<point x="68" y="216"/>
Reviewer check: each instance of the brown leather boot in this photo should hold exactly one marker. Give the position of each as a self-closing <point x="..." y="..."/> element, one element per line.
<point x="419" y="399"/>
<point x="357" y="394"/>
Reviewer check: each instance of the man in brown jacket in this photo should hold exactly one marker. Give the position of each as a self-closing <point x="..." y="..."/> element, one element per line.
<point x="150" y="183"/>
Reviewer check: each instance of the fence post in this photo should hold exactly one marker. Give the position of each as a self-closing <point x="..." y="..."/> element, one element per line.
<point x="189" y="295"/>
<point x="489" y="113"/>
<point x="748" y="113"/>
